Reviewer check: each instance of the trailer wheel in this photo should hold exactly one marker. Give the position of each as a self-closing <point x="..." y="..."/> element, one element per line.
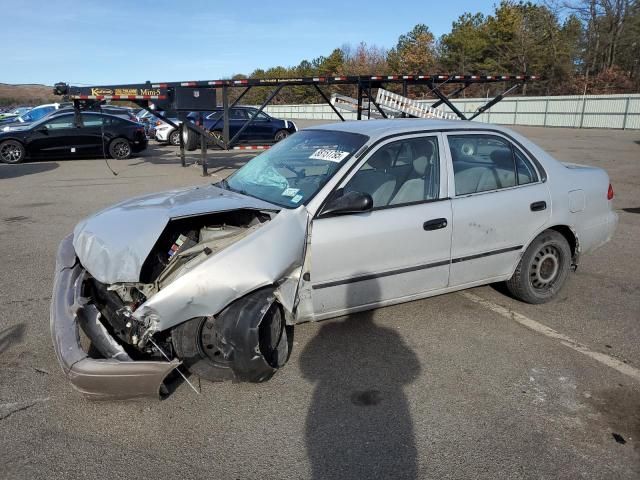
<point x="190" y="138"/>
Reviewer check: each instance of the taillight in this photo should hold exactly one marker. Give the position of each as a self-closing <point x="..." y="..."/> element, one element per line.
<point x="610" y="193"/>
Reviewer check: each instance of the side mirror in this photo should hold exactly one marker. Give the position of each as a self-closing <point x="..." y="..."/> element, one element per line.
<point x="350" y="202"/>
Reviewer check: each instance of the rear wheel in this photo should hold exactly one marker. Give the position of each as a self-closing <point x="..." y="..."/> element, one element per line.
<point x="120" y="149"/>
<point x="247" y="341"/>
<point x="543" y="269"/>
<point x="12" y="151"/>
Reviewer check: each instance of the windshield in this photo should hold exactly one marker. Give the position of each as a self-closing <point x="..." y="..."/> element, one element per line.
<point x="292" y="171"/>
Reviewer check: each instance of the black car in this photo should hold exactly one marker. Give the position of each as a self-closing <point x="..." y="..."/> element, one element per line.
<point x="61" y="136"/>
<point x="263" y="128"/>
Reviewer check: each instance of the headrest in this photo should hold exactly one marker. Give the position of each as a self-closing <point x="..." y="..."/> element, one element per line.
<point x="502" y="158"/>
<point x="381" y="160"/>
<point x="420" y="163"/>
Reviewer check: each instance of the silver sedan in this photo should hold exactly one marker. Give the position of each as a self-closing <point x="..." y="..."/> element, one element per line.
<point x="333" y="220"/>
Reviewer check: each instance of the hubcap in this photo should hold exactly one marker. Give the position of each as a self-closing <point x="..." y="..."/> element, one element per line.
<point x="11" y="153"/>
<point x="545" y="267"/>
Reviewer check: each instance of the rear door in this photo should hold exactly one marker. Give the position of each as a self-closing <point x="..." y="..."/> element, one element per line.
<point x="499" y="203"/>
<point x="397" y="251"/>
<point x="90" y="134"/>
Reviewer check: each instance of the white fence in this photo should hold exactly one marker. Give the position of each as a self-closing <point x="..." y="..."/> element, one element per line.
<point x="591" y="111"/>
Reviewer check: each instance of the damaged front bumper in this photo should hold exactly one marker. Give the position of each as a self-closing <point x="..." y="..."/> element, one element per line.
<point x="115" y="376"/>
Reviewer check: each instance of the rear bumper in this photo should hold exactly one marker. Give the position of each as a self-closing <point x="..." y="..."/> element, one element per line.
<point x="139" y="145"/>
<point x="114" y="377"/>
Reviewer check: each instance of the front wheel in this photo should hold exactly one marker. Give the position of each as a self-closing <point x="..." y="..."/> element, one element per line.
<point x="174" y="138"/>
<point x="120" y="149"/>
<point x="247" y="341"/>
<point x="12" y="151"/>
<point x="281" y="135"/>
<point x="543" y="269"/>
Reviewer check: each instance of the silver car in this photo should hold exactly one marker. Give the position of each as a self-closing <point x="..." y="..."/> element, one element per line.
<point x="333" y="220"/>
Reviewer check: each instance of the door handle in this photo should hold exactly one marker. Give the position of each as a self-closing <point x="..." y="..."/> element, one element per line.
<point x="538" y="206"/>
<point x="435" y="224"/>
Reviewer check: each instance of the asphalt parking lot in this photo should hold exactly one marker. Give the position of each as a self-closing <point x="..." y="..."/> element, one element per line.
<point x="465" y="385"/>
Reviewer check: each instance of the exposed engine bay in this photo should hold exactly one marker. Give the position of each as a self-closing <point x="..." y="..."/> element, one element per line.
<point x="184" y="244"/>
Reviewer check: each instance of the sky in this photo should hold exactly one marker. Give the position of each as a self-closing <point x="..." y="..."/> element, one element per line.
<point x="89" y="42"/>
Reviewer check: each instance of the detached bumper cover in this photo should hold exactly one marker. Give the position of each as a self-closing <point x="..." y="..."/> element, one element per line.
<point x="107" y="378"/>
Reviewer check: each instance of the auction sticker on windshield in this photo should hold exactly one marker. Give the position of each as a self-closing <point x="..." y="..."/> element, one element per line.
<point x="329" y="155"/>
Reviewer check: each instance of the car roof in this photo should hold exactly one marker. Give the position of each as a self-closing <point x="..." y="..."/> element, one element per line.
<point x="383" y="128"/>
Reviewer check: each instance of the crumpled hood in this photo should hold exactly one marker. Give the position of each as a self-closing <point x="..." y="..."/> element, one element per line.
<point x="114" y="243"/>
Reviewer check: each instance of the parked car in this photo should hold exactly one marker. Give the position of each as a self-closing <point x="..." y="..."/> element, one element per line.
<point x="121" y="112"/>
<point x="149" y="121"/>
<point x="333" y="220"/>
<point x="165" y="133"/>
<point x="59" y="136"/>
<point x="32" y="115"/>
<point x="264" y="128"/>
<point x="13" y="112"/>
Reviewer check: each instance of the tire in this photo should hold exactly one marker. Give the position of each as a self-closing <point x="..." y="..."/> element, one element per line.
<point x="120" y="149"/>
<point x="12" y="152"/>
<point x="191" y="139"/>
<point x="174" y="138"/>
<point x="224" y="347"/>
<point x="543" y="269"/>
<point x="281" y="135"/>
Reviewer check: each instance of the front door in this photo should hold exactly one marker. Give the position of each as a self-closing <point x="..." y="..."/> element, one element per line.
<point x="397" y="251"/>
<point x="54" y="137"/>
<point x="500" y="203"/>
<point x="261" y="127"/>
<point x="90" y="135"/>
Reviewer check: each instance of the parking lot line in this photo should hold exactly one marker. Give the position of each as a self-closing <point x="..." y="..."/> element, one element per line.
<point x="551" y="333"/>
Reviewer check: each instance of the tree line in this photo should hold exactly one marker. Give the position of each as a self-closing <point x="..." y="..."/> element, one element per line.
<point x="576" y="46"/>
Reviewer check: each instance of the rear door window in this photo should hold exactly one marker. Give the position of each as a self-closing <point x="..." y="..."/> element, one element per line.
<point x="89" y="120"/>
<point x="482" y="163"/>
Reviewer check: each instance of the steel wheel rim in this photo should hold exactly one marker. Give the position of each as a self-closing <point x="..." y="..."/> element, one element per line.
<point x="545" y="267"/>
<point x="122" y="149"/>
<point x="207" y="344"/>
<point x="11" y="153"/>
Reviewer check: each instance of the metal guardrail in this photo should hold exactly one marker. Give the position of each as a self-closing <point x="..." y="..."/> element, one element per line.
<point x="590" y="111"/>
